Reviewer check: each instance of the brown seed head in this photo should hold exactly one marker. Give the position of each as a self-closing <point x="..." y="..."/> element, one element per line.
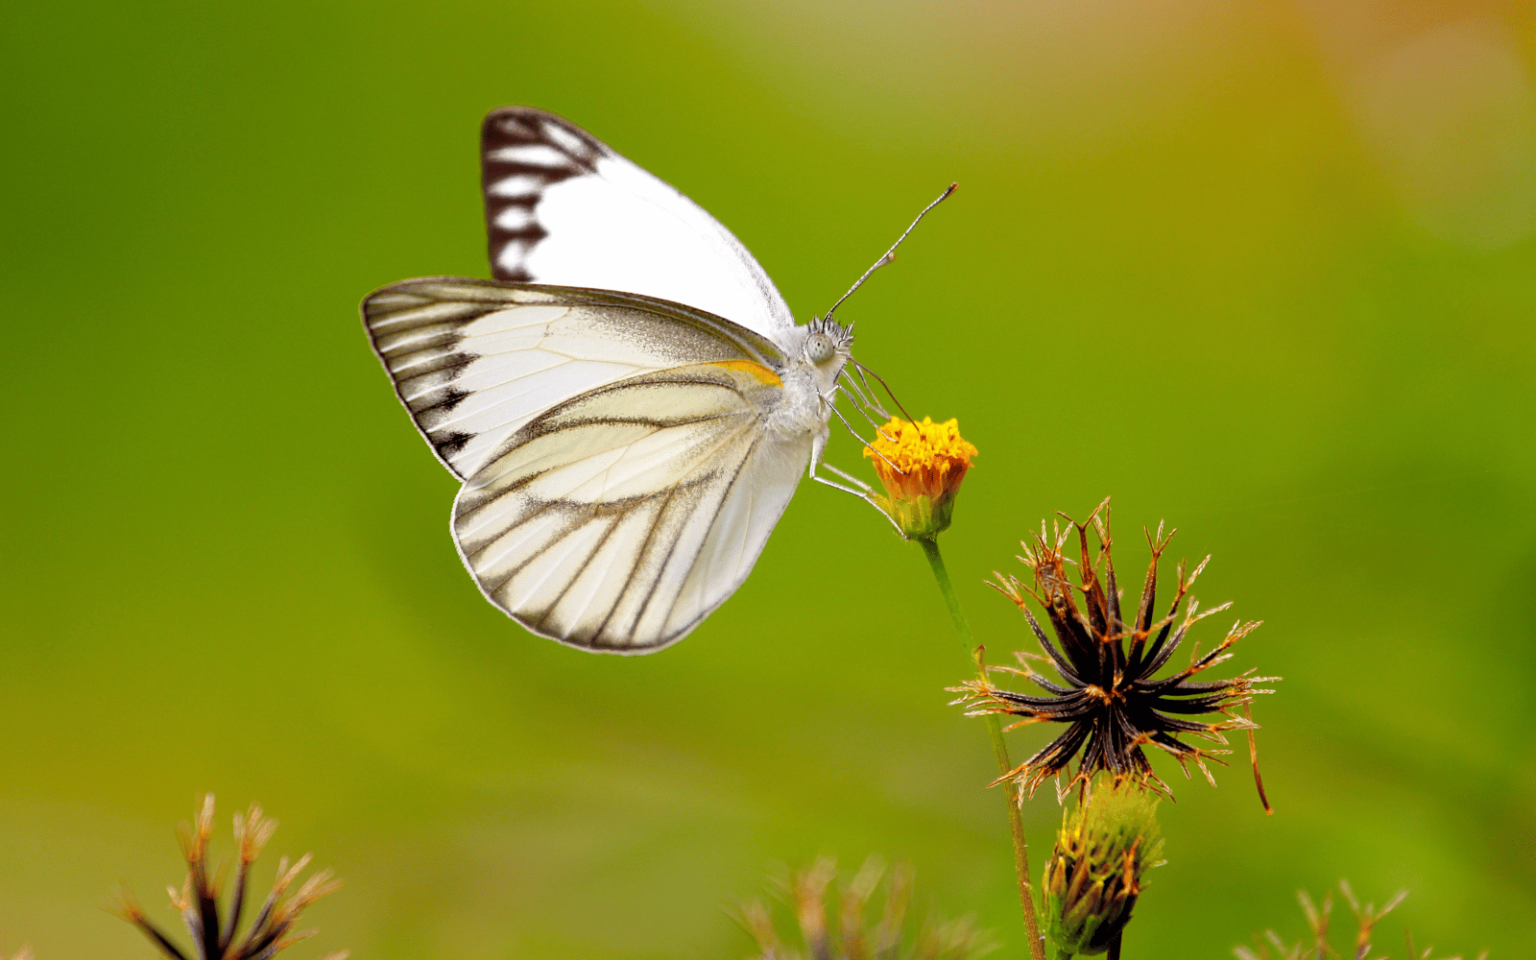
<point x="1108" y="693"/>
<point x="211" y="926"/>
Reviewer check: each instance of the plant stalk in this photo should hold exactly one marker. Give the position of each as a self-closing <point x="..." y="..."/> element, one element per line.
<point x="1000" y="750"/>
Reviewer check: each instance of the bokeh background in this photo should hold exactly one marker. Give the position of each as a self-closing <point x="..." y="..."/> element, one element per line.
<point x="1264" y="269"/>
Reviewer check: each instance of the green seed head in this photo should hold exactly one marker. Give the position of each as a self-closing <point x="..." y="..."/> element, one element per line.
<point x="1094" y="874"/>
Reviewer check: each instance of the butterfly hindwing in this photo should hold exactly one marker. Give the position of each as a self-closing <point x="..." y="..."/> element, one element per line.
<point x="561" y="207"/>
<point x="475" y="360"/>
<point x="620" y="519"/>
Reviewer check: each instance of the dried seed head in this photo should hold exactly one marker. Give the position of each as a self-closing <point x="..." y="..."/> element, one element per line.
<point x="853" y="921"/>
<point x="1108" y="694"/>
<point x="212" y="927"/>
<point x="1316" y="944"/>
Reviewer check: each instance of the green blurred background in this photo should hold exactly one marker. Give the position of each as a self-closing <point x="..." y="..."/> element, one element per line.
<point x="1264" y="269"/>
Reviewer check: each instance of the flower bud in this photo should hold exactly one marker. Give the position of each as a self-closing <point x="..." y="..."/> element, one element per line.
<point x="1094" y="874"/>
<point x="921" y="466"/>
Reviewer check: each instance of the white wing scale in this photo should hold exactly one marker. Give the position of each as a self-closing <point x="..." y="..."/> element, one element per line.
<point x="561" y="207"/>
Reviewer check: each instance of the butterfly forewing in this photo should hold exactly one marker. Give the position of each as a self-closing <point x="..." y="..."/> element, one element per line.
<point x="474" y="361"/>
<point x="563" y="208"/>
<point x="620" y="519"/>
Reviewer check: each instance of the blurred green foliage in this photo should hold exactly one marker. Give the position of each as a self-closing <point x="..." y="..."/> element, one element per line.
<point x="1266" y="270"/>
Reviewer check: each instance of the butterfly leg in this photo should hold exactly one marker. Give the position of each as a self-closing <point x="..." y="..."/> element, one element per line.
<point x="866" y="488"/>
<point x="831" y="402"/>
<point x="817" y="448"/>
<point x="860" y="489"/>
<point x="862" y="495"/>
<point x="866" y="493"/>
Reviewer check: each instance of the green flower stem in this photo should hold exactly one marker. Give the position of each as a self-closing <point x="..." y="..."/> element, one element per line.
<point x="1000" y="749"/>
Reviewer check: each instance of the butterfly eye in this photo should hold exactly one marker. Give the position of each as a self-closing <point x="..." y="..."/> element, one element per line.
<point x="819" y="348"/>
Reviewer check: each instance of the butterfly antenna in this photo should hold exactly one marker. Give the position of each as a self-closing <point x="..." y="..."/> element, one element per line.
<point x="891" y="253"/>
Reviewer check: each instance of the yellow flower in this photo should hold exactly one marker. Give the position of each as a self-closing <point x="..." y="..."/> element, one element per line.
<point x="921" y="466"/>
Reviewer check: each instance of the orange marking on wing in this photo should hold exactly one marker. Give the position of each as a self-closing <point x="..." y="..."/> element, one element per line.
<point x="762" y="373"/>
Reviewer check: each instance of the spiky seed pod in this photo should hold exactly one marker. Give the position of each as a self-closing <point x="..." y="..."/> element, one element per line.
<point x="853" y="921"/>
<point x="1109" y="695"/>
<point x="1094" y="873"/>
<point x="212" y="929"/>
<point x="1366" y="919"/>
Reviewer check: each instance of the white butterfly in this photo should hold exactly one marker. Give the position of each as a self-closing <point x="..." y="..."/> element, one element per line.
<point x="624" y="454"/>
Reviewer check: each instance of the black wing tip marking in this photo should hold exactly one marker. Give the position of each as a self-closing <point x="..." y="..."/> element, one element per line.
<point x="446" y="363"/>
<point x="449" y="445"/>
<point x="501" y="134"/>
<point x="516" y="126"/>
<point x="449" y="398"/>
<point x="448" y="366"/>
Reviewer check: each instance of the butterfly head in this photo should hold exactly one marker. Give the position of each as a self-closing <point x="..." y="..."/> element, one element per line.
<point x="827" y="341"/>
